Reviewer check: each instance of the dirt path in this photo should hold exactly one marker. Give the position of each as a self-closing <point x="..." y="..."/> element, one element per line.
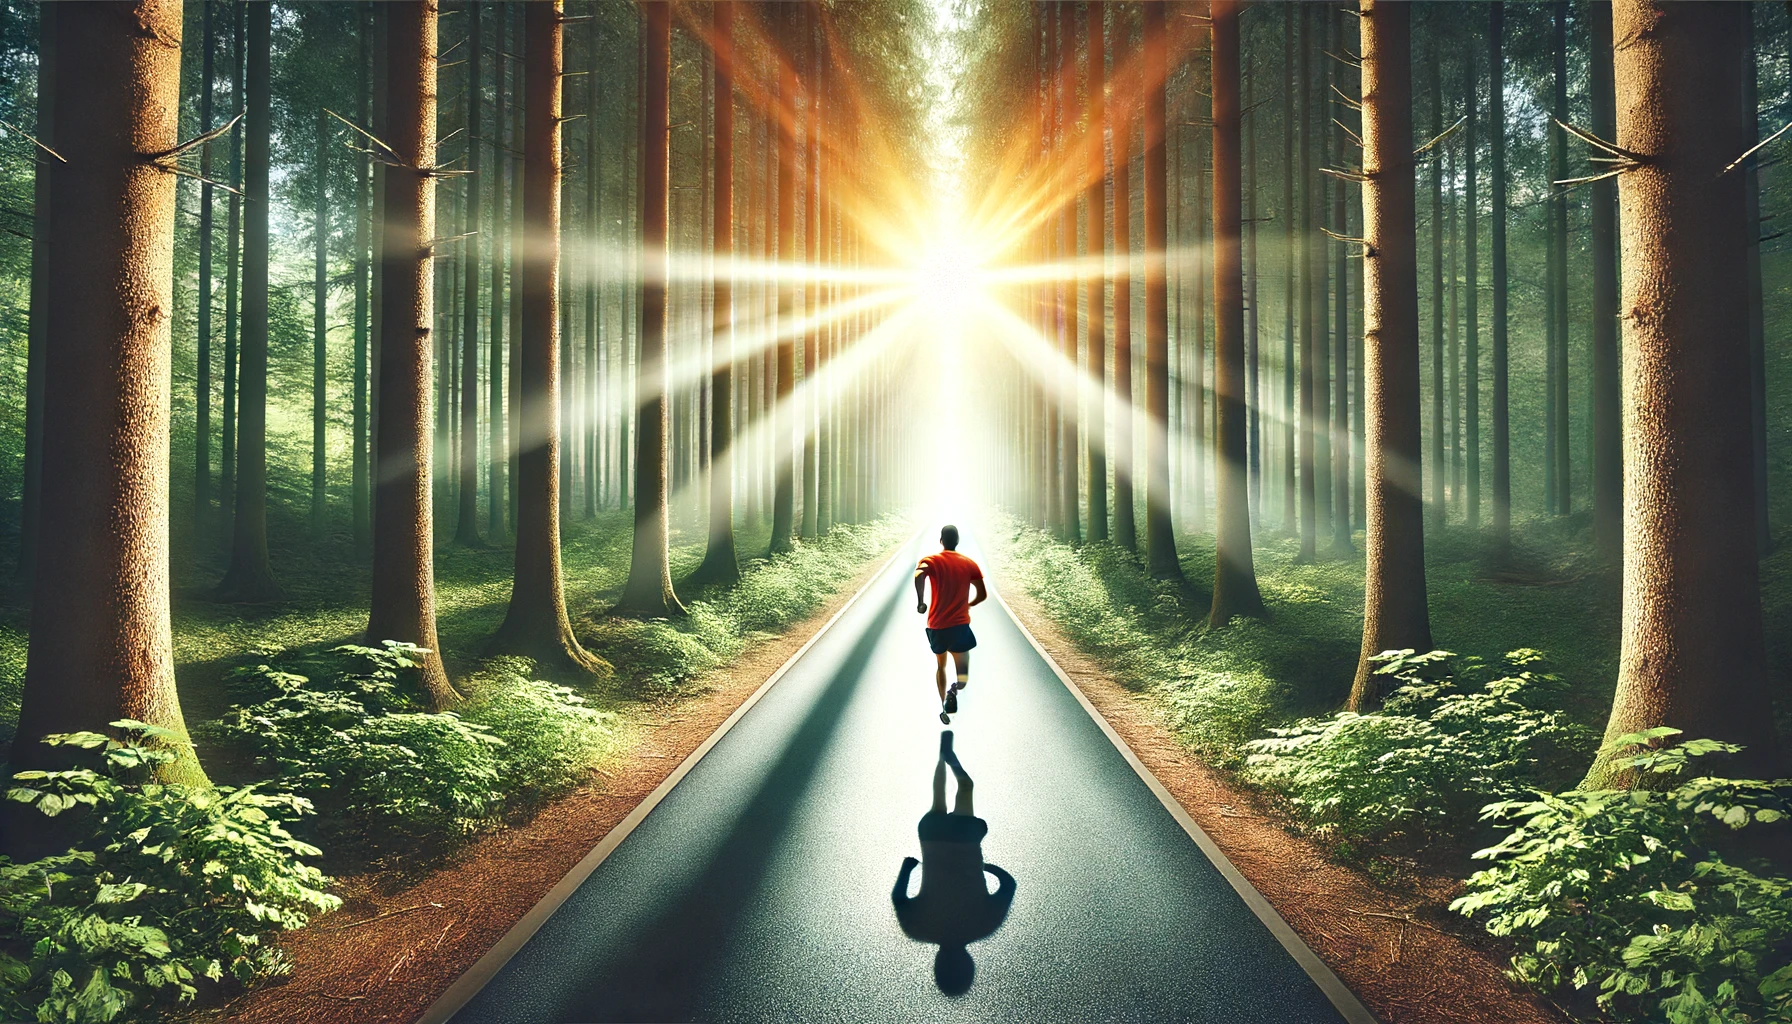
<point x="1403" y="955"/>
<point x="399" y="940"/>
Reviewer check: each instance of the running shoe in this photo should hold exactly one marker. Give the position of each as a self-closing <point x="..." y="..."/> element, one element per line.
<point x="945" y="719"/>
<point x="952" y="702"/>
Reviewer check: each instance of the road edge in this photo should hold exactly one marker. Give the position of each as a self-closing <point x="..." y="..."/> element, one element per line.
<point x="474" y="979"/>
<point x="1339" y="994"/>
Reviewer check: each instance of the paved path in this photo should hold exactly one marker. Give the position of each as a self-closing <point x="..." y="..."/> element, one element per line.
<point x="760" y="889"/>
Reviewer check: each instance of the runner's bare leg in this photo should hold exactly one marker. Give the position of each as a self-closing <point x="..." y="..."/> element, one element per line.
<point x="939" y="675"/>
<point x="962" y="661"/>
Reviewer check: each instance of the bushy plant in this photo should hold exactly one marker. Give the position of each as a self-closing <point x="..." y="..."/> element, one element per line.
<point x="1438" y="751"/>
<point x="176" y="884"/>
<point x="1621" y="892"/>
<point x="551" y="735"/>
<point x="358" y="744"/>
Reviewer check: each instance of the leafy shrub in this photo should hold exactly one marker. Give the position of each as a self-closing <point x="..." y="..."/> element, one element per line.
<point x="551" y="736"/>
<point x="1422" y="766"/>
<point x="358" y="745"/>
<point x="1620" y="890"/>
<point x="176" y="884"/>
<point x="662" y="658"/>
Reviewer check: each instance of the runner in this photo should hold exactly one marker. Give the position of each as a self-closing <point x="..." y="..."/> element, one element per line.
<point x="949" y="620"/>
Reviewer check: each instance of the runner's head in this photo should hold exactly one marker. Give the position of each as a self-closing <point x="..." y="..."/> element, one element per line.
<point x="949" y="537"/>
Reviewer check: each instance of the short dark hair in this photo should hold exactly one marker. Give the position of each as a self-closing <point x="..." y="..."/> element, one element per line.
<point x="949" y="537"/>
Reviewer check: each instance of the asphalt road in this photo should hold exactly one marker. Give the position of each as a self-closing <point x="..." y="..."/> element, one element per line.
<point x="760" y="889"/>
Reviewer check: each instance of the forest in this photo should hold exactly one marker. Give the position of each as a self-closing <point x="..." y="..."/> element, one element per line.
<point x="425" y="421"/>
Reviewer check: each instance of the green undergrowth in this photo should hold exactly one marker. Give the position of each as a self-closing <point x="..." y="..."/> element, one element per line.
<point x="1635" y="905"/>
<point x="659" y="659"/>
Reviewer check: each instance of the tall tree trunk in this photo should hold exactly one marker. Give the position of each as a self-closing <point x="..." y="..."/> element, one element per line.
<point x="1309" y="433"/>
<point x="1757" y="338"/>
<point x="1471" y="270"/>
<point x="649" y="590"/>
<point x="232" y="279"/>
<point x="537" y="625"/>
<point x="202" y="383"/>
<point x="1252" y="366"/>
<point x="466" y="520"/>
<point x="102" y="644"/>
<point x="360" y="483"/>
<point x="1126" y="412"/>
<point x="1094" y="218"/>
<point x="1559" y="282"/>
<point x="1691" y="654"/>
<point x="720" y="562"/>
<point x="1502" y="432"/>
<point x="497" y="509"/>
<point x="38" y="336"/>
<point x="250" y="577"/>
<point x="320" y="308"/>
<point x="513" y="163"/>
<point x="1394" y="608"/>
<point x="1453" y="339"/>
<point x="403" y="605"/>
<point x="596" y="381"/>
<point x="811" y="279"/>
<point x="1340" y="430"/>
<point x="1234" y="578"/>
<point x="1434" y="93"/>
<point x="1608" y="427"/>
<point x="1052" y="230"/>
<point x="1160" y="540"/>
<point x="783" y="451"/>
<point x="1290" y="295"/>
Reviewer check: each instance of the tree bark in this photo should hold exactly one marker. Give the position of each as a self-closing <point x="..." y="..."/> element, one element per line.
<point x="1691" y="654"/>
<point x="1252" y="332"/>
<point x="1394" y="606"/>
<point x="101" y="642"/>
<point x="1434" y="92"/>
<point x="250" y="578"/>
<point x="1290" y="294"/>
<point x="1502" y="433"/>
<point x="1160" y="540"/>
<point x="1309" y="431"/>
<point x="1070" y="390"/>
<point x="720" y="562"/>
<point x="1341" y="546"/>
<point x="1564" y="475"/>
<point x="1757" y="339"/>
<point x="1235" y="578"/>
<point x="536" y="625"/>
<point x="1471" y="270"/>
<point x="202" y="383"/>
<point x="1608" y="427"/>
<point x="403" y="605"/>
<point x="466" y="520"/>
<point x="232" y="281"/>
<point x="649" y="591"/>
<point x="497" y="498"/>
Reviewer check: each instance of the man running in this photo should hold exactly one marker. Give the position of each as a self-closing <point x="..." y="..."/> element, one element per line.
<point x="949" y="621"/>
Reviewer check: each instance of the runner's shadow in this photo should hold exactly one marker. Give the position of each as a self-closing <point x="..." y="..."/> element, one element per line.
<point x="954" y="906"/>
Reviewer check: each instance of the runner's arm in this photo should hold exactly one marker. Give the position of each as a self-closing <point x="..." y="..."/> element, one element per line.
<point x="921" y="589"/>
<point x="981" y="593"/>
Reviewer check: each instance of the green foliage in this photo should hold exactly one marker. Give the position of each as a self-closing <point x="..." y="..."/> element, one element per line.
<point x="551" y="736"/>
<point x="1439" y="750"/>
<point x="379" y="768"/>
<point x="352" y="736"/>
<point x="175" y="884"/>
<point x="662" y="658"/>
<point x="1621" y="892"/>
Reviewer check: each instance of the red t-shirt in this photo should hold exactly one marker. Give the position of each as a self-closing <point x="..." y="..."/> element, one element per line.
<point x="951" y="574"/>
